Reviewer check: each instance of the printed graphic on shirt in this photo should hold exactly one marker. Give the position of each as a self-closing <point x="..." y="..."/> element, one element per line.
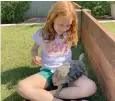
<point x="57" y="48"/>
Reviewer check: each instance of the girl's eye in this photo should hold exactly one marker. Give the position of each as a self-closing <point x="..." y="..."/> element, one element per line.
<point x="63" y="25"/>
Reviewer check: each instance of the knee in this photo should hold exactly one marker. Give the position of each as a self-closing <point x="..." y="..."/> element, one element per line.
<point x="21" y="87"/>
<point x="90" y="88"/>
<point x="93" y="87"/>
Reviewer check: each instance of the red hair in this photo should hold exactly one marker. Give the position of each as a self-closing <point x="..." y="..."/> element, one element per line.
<point x="64" y="8"/>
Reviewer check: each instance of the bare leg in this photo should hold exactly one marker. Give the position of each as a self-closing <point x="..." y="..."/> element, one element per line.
<point x="32" y="88"/>
<point x="52" y="100"/>
<point x="83" y="87"/>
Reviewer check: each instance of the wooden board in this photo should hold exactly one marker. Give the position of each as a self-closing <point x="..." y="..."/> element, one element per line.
<point x="100" y="48"/>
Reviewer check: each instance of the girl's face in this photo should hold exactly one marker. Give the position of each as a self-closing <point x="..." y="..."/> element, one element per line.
<point x="62" y="24"/>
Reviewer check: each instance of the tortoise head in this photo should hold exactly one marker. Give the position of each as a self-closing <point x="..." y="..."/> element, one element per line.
<point x="61" y="73"/>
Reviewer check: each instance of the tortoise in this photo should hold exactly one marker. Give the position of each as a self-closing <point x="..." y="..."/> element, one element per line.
<point x="69" y="72"/>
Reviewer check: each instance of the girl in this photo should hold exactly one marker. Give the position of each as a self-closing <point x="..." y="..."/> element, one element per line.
<point x="55" y="39"/>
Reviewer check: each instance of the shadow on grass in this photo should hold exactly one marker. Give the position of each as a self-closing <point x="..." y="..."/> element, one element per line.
<point x="77" y="50"/>
<point x="14" y="97"/>
<point x="11" y="77"/>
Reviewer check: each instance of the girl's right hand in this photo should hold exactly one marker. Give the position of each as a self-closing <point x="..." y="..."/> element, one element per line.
<point x="36" y="60"/>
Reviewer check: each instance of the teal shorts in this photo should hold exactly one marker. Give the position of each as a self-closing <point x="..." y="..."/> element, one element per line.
<point x="47" y="74"/>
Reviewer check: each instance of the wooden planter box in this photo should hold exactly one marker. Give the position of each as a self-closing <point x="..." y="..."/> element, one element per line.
<point x="99" y="45"/>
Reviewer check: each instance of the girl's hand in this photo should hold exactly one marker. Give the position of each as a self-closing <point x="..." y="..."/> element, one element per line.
<point x="36" y="60"/>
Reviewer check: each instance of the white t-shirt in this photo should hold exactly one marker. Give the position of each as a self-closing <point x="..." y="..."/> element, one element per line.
<point x="53" y="53"/>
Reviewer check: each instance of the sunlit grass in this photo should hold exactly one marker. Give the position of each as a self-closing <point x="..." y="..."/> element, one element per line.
<point x="110" y="26"/>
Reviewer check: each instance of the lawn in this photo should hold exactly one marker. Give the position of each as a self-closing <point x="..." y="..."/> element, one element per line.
<point x="110" y="26"/>
<point x="16" y="43"/>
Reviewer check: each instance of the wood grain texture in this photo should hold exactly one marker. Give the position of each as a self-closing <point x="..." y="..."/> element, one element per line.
<point x="100" y="47"/>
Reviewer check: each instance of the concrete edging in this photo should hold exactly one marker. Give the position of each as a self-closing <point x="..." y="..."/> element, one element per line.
<point x="101" y="21"/>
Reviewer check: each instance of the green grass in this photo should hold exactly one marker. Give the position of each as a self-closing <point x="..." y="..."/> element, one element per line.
<point x="16" y="60"/>
<point x="110" y="26"/>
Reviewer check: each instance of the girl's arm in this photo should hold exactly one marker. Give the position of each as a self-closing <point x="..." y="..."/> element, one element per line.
<point x="36" y="60"/>
<point x="34" y="50"/>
